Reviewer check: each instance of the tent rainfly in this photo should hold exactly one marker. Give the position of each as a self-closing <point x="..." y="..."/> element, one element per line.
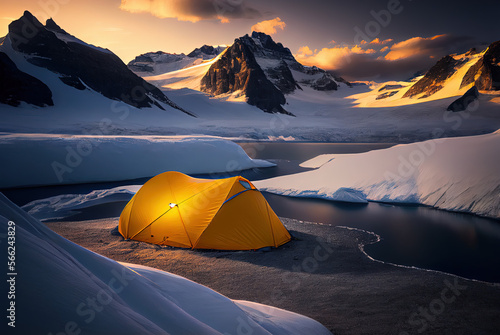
<point x="180" y="211"/>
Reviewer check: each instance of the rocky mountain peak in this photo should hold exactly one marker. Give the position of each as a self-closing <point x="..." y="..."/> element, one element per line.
<point x="207" y="50"/>
<point x="262" y="45"/>
<point x="81" y="65"/>
<point x="51" y="25"/>
<point x="17" y="86"/>
<point x="238" y="70"/>
<point x="264" y="71"/>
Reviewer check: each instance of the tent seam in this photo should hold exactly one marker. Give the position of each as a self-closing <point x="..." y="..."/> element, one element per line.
<point x="213" y="217"/>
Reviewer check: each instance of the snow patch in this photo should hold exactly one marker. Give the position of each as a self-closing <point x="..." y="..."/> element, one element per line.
<point x="457" y="174"/>
<point x="65" y="205"/>
<point x="70" y="159"/>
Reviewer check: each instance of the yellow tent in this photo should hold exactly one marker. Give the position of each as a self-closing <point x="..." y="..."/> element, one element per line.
<point x="181" y="211"/>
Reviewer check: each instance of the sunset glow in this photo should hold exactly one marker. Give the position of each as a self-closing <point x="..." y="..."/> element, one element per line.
<point x="318" y="33"/>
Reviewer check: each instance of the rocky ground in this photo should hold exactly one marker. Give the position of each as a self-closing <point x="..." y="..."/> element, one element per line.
<point x="322" y="274"/>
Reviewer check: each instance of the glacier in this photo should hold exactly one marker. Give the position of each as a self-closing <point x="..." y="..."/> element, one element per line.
<point x="456" y="174"/>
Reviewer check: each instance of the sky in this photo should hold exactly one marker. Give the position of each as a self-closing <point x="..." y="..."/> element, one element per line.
<point x="358" y="39"/>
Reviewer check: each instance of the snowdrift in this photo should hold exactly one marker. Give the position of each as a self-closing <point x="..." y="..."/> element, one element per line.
<point x="62" y="287"/>
<point x="61" y="159"/>
<point x="66" y="205"/>
<point x="456" y="174"/>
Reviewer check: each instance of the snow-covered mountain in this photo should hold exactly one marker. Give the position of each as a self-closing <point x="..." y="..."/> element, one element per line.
<point x="264" y="72"/>
<point x="207" y="51"/>
<point x="254" y="69"/>
<point x="43" y="65"/>
<point x="154" y="63"/>
<point x="453" y="75"/>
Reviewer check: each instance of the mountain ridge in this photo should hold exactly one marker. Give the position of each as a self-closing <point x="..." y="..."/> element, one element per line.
<point x="80" y="65"/>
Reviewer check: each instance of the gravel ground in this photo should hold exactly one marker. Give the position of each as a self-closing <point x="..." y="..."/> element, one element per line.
<point x="322" y="274"/>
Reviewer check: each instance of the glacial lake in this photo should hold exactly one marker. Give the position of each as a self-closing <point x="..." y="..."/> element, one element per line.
<point x="462" y="244"/>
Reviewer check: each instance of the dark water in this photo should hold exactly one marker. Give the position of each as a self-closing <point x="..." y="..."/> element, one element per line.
<point x="457" y="243"/>
<point x="461" y="244"/>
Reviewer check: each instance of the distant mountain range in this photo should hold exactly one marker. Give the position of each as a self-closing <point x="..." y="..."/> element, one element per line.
<point x="254" y="68"/>
<point x="153" y="63"/>
<point x="484" y="73"/>
<point x="465" y="74"/>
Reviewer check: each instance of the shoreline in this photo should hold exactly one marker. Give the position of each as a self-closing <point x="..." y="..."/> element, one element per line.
<point x="322" y="274"/>
<point x="379" y="238"/>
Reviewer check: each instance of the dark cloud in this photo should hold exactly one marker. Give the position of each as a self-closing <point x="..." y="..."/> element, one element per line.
<point x="210" y="9"/>
<point x="192" y="10"/>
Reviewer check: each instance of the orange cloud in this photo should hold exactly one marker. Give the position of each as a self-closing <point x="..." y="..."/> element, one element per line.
<point x="330" y="58"/>
<point x="304" y="51"/>
<point x="269" y="26"/>
<point x="378" y="41"/>
<point x="190" y="10"/>
<point x="415" y="46"/>
<point x="394" y="61"/>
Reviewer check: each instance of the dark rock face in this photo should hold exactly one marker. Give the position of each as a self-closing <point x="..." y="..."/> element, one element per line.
<point x="282" y="77"/>
<point x="434" y="78"/>
<point x="472" y="51"/>
<point x="390" y="87"/>
<point x="51" y="25"/>
<point x="206" y="51"/>
<point x="341" y="80"/>
<point x="262" y="46"/>
<point x="325" y="81"/>
<point x="263" y="70"/>
<point x="101" y="70"/>
<point x="485" y="74"/>
<point x="385" y="95"/>
<point x="464" y="101"/>
<point x="236" y="70"/>
<point x="267" y="48"/>
<point x="17" y="86"/>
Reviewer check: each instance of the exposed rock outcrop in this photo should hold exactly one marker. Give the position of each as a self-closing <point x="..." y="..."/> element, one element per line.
<point x="464" y="101"/>
<point x="265" y="71"/>
<point x="434" y="79"/>
<point x="237" y="70"/>
<point x="485" y="74"/>
<point x="17" y="86"/>
<point x="206" y="51"/>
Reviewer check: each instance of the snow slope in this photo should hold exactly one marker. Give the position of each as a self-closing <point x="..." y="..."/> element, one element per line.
<point x="189" y="77"/>
<point x="320" y="116"/>
<point x="457" y="174"/>
<point x="163" y="63"/>
<point x="451" y="88"/>
<point x="75" y="110"/>
<point x="39" y="159"/>
<point x="62" y="287"/>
